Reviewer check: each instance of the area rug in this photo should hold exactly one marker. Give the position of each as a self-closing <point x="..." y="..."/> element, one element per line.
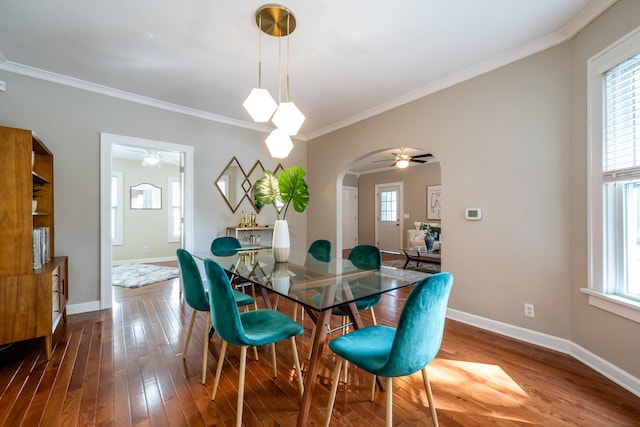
<point x="425" y="267"/>
<point x="136" y="275"/>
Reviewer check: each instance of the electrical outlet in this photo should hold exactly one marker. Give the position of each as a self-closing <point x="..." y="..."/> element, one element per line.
<point x="145" y="248"/>
<point x="529" y="310"/>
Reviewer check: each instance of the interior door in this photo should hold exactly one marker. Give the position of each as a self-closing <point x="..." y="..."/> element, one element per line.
<point x="349" y="217"/>
<point x="388" y="214"/>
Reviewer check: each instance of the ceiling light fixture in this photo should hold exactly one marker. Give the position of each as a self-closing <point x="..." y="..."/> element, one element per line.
<point x="151" y="159"/>
<point x="277" y="21"/>
<point x="402" y="161"/>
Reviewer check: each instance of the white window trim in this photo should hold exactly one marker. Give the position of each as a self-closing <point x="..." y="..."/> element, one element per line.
<point x="596" y="67"/>
<point x="119" y="232"/>
<point x="171" y="238"/>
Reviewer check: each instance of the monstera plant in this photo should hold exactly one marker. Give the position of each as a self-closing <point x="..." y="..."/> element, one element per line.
<point x="282" y="191"/>
<point x="286" y="189"/>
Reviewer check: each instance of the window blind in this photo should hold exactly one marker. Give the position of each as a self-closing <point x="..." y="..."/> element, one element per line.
<point x="621" y="121"/>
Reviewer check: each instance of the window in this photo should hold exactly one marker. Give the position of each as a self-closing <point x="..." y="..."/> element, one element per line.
<point x="614" y="190"/>
<point x="175" y="209"/>
<point x="389" y="206"/>
<point x="116" y="208"/>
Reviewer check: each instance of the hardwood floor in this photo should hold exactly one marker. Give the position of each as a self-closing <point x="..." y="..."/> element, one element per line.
<point x="124" y="367"/>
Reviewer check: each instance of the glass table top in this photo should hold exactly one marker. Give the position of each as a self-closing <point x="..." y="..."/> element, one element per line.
<point x="315" y="284"/>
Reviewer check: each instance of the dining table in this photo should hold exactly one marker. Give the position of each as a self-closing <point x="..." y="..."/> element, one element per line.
<point x="319" y="287"/>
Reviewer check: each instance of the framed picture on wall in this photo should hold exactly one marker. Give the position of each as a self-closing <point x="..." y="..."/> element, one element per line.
<point x="433" y="201"/>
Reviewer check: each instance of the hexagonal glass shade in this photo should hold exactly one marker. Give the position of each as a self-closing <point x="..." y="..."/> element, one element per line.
<point x="260" y="105"/>
<point x="279" y="144"/>
<point x="288" y="118"/>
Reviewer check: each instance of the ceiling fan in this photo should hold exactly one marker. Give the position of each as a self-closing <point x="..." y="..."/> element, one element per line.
<point x="402" y="160"/>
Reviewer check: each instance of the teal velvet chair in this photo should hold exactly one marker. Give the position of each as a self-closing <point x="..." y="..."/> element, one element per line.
<point x="321" y="250"/>
<point x="197" y="298"/>
<point x="251" y="328"/>
<point x="228" y="246"/>
<point x="396" y="352"/>
<point x="365" y="257"/>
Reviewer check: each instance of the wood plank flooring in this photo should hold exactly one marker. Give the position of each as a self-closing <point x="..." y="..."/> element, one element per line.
<point x="124" y="367"/>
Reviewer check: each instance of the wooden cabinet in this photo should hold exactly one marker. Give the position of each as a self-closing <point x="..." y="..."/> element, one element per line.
<point x="33" y="298"/>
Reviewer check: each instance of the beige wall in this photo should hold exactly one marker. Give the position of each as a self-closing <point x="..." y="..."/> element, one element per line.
<point x="414" y="183"/>
<point x="70" y="121"/>
<point x="144" y="227"/>
<point x="513" y="143"/>
<point x="610" y="336"/>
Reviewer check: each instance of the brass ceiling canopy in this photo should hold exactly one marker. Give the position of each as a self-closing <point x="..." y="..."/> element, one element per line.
<point x="275" y="20"/>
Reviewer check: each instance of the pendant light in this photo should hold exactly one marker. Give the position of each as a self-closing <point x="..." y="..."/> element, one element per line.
<point x="260" y="104"/>
<point x="277" y="21"/>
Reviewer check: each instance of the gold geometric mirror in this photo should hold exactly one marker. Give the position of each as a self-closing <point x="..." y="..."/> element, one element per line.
<point x="234" y="184"/>
<point x="230" y="182"/>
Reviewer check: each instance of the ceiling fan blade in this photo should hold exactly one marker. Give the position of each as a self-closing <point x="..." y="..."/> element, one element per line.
<point x="418" y="161"/>
<point x="422" y="155"/>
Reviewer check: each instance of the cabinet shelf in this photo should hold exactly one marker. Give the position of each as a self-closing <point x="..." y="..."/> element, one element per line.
<point x="39" y="179"/>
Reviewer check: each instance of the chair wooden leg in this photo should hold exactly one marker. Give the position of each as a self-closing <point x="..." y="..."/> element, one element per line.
<point x="223" y="350"/>
<point x="255" y="353"/>
<point x="334" y="389"/>
<point x="243" y="368"/>
<point x="275" y="304"/>
<point x="345" y="330"/>
<point x="273" y="360"/>
<point x="373" y="389"/>
<point x="389" y="403"/>
<point x="427" y="387"/>
<point x="205" y="351"/>
<point x="373" y="316"/>
<point x="294" y="350"/>
<point x="186" y="342"/>
<point x="253" y="294"/>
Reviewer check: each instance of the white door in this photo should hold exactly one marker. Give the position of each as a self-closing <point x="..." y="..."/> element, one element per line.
<point x="349" y="217"/>
<point x="388" y="214"/>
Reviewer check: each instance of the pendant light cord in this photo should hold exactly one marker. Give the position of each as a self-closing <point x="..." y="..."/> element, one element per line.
<point x="260" y="52"/>
<point x="288" y="43"/>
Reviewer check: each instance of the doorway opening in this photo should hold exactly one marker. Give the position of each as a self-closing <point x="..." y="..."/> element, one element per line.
<point x="110" y="143"/>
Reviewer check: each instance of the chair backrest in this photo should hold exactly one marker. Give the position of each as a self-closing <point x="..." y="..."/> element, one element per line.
<point x="224" y="311"/>
<point x="320" y="250"/>
<point x="225" y="246"/>
<point x="366" y="257"/>
<point x="192" y="286"/>
<point x="421" y="326"/>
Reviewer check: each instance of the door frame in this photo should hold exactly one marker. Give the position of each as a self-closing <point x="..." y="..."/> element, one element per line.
<point x="107" y="141"/>
<point x="400" y="210"/>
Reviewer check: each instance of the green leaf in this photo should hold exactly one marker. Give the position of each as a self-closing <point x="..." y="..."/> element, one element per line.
<point x="266" y="190"/>
<point x="293" y="189"/>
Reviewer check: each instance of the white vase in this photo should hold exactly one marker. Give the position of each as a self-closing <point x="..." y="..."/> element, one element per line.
<point x="280" y="244"/>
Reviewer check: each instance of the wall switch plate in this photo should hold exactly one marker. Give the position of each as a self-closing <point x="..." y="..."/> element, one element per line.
<point x="406" y="216"/>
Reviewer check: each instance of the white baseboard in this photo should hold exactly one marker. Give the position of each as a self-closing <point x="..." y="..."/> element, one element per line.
<point x="145" y="260"/>
<point x="595" y="362"/>
<point x="83" y="307"/>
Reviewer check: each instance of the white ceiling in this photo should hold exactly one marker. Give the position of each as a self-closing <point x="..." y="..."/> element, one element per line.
<point x="349" y="59"/>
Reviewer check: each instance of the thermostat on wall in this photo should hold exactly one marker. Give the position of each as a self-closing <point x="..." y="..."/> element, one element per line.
<point x="473" y="214"/>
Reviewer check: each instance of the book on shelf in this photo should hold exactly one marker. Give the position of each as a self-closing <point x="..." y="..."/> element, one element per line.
<point x="41" y="247"/>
